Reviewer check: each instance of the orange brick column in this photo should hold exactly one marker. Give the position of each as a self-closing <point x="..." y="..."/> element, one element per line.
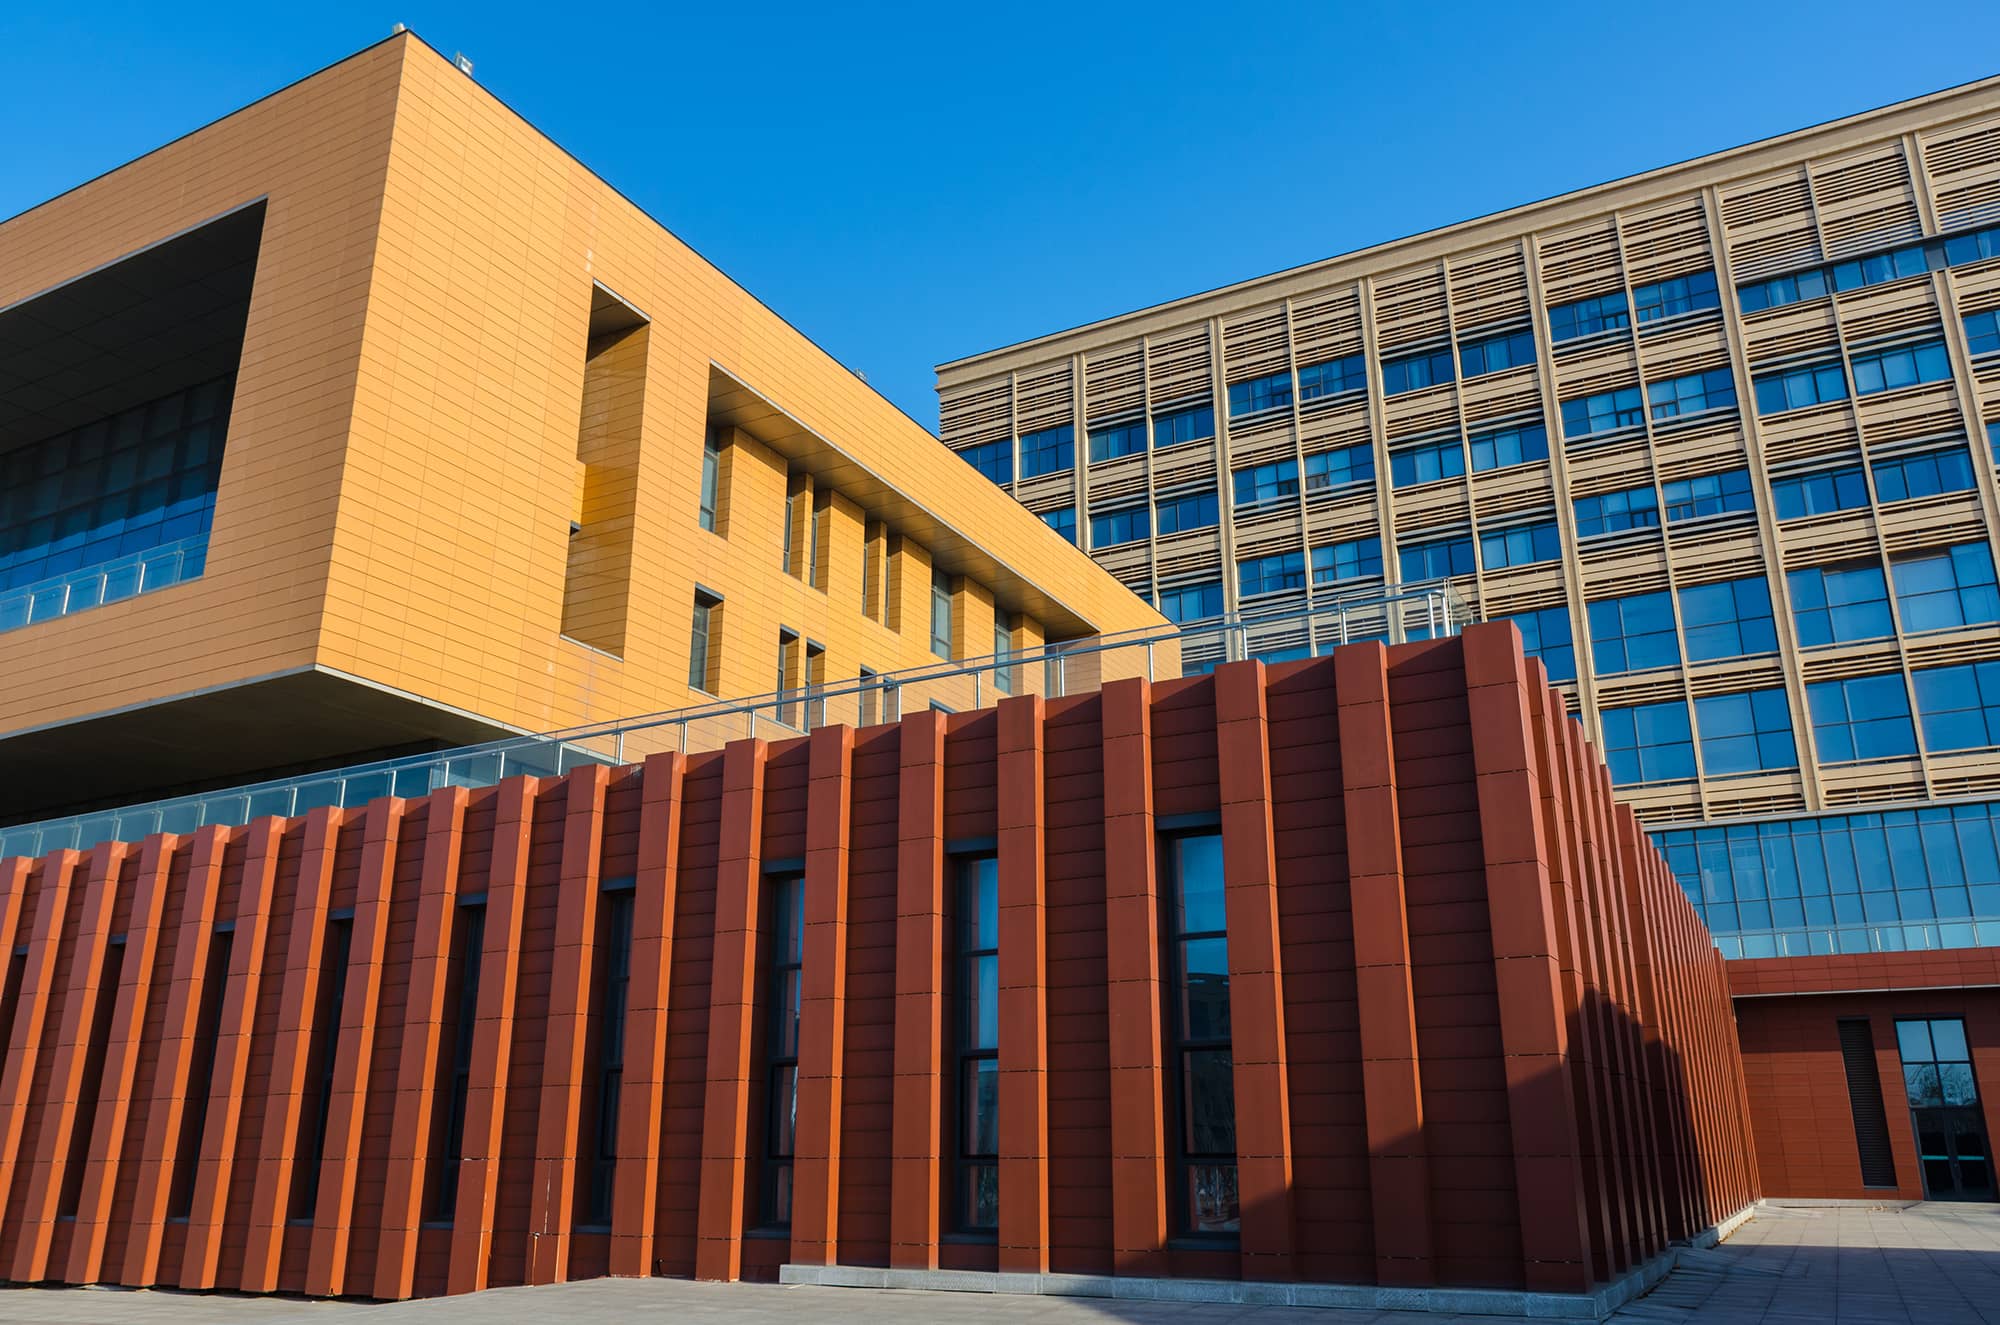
<point x="354" y="1051"/>
<point x="31" y="1007"/>
<point x="232" y="1055"/>
<point x="635" y="1184"/>
<point x="72" y="1046"/>
<point x="264" y="1241"/>
<point x="1024" y="1038"/>
<point x="1548" y="1178"/>
<point x="1392" y="1079"/>
<point x="416" y="1063"/>
<point x="195" y="933"/>
<point x="823" y="1000"/>
<point x="552" y="1208"/>
<point x="1580" y="1006"/>
<point x="1132" y="953"/>
<point x="492" y="1036"/>
<point x="732" y="1006"/>
<point x="916" y="1120"/>
<point x="1256" y="977"/>
<point x="121" y="1058"/>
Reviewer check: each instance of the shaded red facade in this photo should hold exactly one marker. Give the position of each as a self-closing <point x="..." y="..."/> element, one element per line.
<point x="1789" y="1011"/>
<point x="1479" y="1036"/>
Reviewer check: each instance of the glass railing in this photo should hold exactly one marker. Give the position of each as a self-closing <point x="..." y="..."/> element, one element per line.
<point x="1828" y="940"/>
<point x="1426" y="611"/>
<point x="106" y="582"/>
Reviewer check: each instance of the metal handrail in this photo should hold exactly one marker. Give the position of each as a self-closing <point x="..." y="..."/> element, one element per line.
<point x="876" y="699"/>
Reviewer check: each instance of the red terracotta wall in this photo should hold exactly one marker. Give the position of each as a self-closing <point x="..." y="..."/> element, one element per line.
<point x="1789" y="1011"/>
<point x="1480" y="1038"/>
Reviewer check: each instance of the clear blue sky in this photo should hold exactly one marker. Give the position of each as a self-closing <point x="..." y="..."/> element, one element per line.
<point x="907" y="184"/>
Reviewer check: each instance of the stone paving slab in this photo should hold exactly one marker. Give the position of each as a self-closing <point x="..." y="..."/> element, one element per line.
<point x="1928" y="1264"/>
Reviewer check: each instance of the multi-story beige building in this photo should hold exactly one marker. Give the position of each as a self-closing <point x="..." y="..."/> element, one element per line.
<point x="1720" y="437"/>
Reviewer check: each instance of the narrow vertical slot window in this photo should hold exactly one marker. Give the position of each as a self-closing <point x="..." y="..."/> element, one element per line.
<point x="201" y="1069"/>
<point x="978" y="1076"/>
<point x="781" y="1049"/>
<point x="1203" y="1070"/>
<point x="461" y="1007"/>
<point x="321" y="1058"/>
<point x="614" y="977"/>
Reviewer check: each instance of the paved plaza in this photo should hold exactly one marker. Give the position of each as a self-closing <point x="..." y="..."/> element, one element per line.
<point x="1933" y="1264"/>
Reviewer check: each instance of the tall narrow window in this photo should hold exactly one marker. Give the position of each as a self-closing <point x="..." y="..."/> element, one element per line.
<point x="940" y="613"/>
<point x="871" y="696"/>
<point x="788" y="672"/>
<point x="614" y="976"/>
<point x="815" y="679"/>
<point x="792" y="551"/>
<point x="461" y="1005"/>
<point x="781" y="1049"/>
<point x="1003" y="648"/>
<point x="201" y="1068"/>
<point x="701" y="642"/>
<point x="711" y="479"/>
<point x="816" y="548"/>
<point x="978" y="1078"/>
<point x="321" y="1056"/>
<point x="1204" y="1097"/>
<point x="88" y="1089"/>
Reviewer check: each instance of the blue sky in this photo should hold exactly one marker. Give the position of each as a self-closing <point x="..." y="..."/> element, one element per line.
<point x="907" y="184"/>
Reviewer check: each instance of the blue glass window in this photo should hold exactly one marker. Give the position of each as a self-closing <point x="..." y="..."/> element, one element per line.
<point x="1047" y="451"/>
<point x="1259" y="394"/>
<point x="1267" y="482"/>
<point x="1192" y="602"/>
<point x="1185" y="425"/>
<point x="1339" y="467"/>
<point x="1707" y="494"/>
<point x="1982" y="333"/>
<point x="109" y="491"/>
<point x="1781" y="290"/>
<point x="1648" y="743"/>
<point x="1745" y="733"/>
<point x="1863" y="717"/>
<point x="1603" y="412"/>
<point x="1062" y="520"/>
<point x="1610" y="512"/>
<point x="1800" y="388"/>
<point x="1347" y="561"/>
<point x="1714" y="389"/>
<point x="1414" y="372"/>
<point x="1509" y="446"/>
<point x="1946" y="587"/>
<point x="1634" y="633"/>
<point x="1829" y="490"/>
<point x="1839" y="604"/>
<point x="1905" y="365"/>
<point x="1960" y="705"/>
<point x="1435" y="559"/>
<point x="1112" y="528"/>
<point x="1683" y="294"/>
<point x="993" y="459"/>
<point x="1974" y="247"/>
<point x="1587" y="317"/>
<point x="1189" y="510"/>
<point x="1926" y="475"/>
<point x="1520" y="545"/>
<point x="1119" y="439"/>
<point x="1496" y="354"/>
<point x="1546" y="635"/>
<point x="1333" y="377"/>
<point x="1427" y="463"/>
<point x="1272" y="574"/>
<point x="1877" y="268"/>
<point x="1728" y="620"/>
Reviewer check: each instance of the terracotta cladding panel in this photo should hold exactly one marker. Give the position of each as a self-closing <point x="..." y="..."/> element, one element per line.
<point x="1646" y="1052"/>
